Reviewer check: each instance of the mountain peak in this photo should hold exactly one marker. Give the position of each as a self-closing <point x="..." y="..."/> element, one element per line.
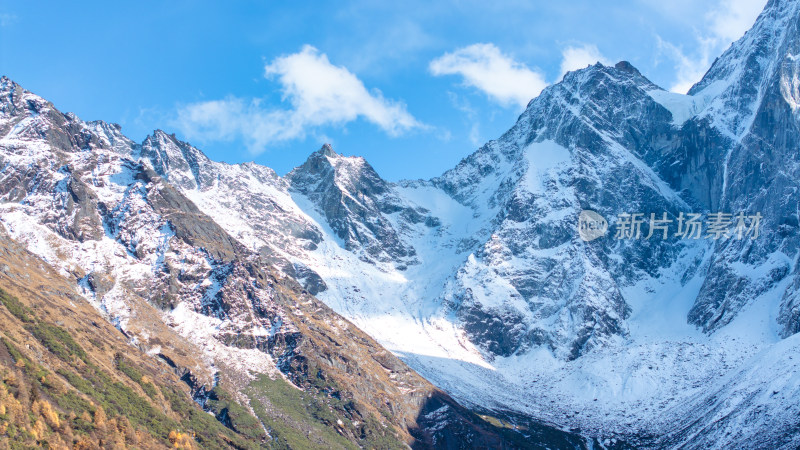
<point x="7" y="87"/>
<point x="179" y="161"/>
<point x="765" y="57"/>
<point x="326" y="162"/>
<point x="590" y="77"/>
<point x="327" y="150"/>
<point x="7" y="83"/>
<point x="163" y="135"/>
<point x="325" y="157"/>
<point x="627" y="67"/>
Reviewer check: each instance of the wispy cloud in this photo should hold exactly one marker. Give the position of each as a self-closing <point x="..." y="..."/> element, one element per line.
<point x="731" y="18"/>
<point x="725" y="22"/>
<point x="470" y="115"/>
<point x="578" y="57"/>
<point x="504" y="80"/>
<point x="378" y="50"/>
<point x="486" y="68"/>
<point x="232" y="118"/>
<point x="688" y="69"/>
<point x="7" y="19"/>
<point x="318" y="93"/>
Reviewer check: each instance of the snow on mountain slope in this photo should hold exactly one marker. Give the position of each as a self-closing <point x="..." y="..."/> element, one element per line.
<point x="53" y="198"/>
<point x="737" y="83"/>
<point x="758" y="166"/>
<point x="265" y="212"/>
<point x="478" y="278"/>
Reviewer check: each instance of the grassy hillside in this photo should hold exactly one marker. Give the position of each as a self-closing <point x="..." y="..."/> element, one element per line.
<point x="69" y="379"/>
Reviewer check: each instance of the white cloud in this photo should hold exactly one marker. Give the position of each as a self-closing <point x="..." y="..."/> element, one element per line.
<point x="574" y="58"/>
<point x="322" y="93"/>
<point x="485" y="67"/>
<point x="232" y="118"/>
<point x="319" y="93"/>
<point x="731" y="18"/>
<point x="725" y="22"/>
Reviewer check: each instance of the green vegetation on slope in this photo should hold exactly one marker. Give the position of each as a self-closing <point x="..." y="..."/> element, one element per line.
<point x="302" y="420"/>
<point x="66" y="400"/>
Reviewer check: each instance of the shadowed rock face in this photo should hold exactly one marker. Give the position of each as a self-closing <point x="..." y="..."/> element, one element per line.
<point x="756" y="116"/>
<point x="353" y="199"/>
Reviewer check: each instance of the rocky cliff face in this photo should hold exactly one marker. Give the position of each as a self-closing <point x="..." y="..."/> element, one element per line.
<point x="355" y="202"/>
<point x="750" y="103"/>
<point x="580" y="145"/>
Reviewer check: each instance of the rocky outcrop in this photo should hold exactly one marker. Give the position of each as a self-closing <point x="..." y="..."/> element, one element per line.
<point x="354" y="201"/>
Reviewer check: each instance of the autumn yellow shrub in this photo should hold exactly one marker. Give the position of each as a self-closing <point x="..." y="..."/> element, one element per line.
<point x="45" y="410"/>
<point x="83" y="444"/>
<point x="180" y="440"/>
<point x="100" y="418"/>
<point x="39" y="429"/>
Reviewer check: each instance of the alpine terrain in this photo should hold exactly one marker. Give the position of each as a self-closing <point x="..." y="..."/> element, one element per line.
<point x="330" y="307"/>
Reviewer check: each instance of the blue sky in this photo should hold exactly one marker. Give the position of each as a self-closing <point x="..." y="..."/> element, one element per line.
<point x="413" y="86"/>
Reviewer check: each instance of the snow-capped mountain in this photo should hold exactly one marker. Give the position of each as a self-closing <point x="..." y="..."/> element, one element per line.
<point x="479" y="279"/>
<point x="222" y="310"/>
